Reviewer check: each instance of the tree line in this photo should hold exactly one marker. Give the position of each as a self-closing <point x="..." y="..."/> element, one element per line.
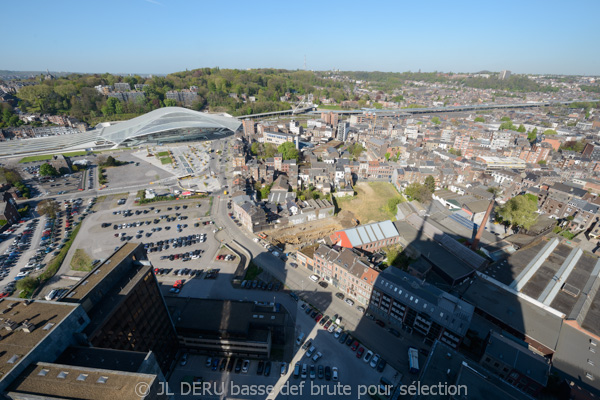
<point x="219" y="90"/>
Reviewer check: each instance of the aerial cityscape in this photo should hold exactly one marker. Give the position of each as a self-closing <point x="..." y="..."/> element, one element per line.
<point x="301" y="201"/>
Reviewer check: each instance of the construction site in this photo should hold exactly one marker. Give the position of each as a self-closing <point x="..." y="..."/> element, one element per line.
<point x="294" y="237"/>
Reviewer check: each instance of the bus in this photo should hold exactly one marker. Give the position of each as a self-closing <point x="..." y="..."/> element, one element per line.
<point x="413" y="360"/>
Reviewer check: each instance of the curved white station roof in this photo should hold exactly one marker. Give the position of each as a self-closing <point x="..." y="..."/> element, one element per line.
<point x="165" y="119"/>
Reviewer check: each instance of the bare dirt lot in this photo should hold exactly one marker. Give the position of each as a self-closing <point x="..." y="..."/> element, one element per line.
<point x="297" y="236"/>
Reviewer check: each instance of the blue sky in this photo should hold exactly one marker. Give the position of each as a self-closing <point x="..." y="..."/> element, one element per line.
<point x="163" y="36"/>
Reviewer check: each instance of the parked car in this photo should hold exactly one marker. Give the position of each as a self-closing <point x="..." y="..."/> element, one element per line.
<point x="360" y="352"/>
<point x="374" y="361"/>
<point x="327" y="373"/>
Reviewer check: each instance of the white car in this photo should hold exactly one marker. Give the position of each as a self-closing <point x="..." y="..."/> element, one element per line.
<point x="374" y="361"/>
<point x="338" y="332"/>
<point x="334" y="373"/>
<point x="368" y="356"/>
<point x="314" y="278"/>
<point x="310" y="351"/>
<point x="317" y="356"/>
<point x="245" y="366"/>
<point x="332" y="328"/>
<point x="350" y="302"/>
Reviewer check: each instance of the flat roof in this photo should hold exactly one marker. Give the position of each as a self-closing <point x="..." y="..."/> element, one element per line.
<point x="89" y="282"/>
<point x="446" y="365"/>
<point x="66" y="381"/>
<point x="538" y="323"/>
<point x="221" y="317"/>
<point x="97" y="358"/>
<point x="433" y="252"/>
<point x="17" y="342"/>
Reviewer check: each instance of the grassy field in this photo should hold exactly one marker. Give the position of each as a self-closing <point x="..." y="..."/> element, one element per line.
<point x="163" y="154"/>
<point x="165" y="160"/>
<point x="370" y="203"/>
<point x="43" y="157"/>
<point x="81" y="261"/>
<point x="329" y="107"/>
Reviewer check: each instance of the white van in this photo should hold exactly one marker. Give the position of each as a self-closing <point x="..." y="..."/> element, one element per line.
<point x="300" y="339"/>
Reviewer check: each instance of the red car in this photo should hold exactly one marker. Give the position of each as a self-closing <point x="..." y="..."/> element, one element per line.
<point x="354" y="345"/>
<point x="318" y="317"/>
<point x="156" y="271"/>
<point x="360" y="352"/>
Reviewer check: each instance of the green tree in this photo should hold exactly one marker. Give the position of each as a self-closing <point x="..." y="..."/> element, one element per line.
<point x="269" y="150"/>
<point x="387" y="156"/>
<point x="254" y="148"/>
<point x="288" y="151"/>
<point x="356" y="149"/>
<point x="550" y="132"/>
<point x="520" y="211"/>
<point x="505" y="119"/>
<point x="109" y="161"/>
<point x="542" y="162"/>
<point x="392" y="203"/>
<point x="47" y="207"/>
<point x="521" y="129"/>
<point x="507" y="126"/>
<point x="455" y="152"/>
<point x="170" y="103"/>
<point x="430" y="183"/>
<point x="436" y="120"/>
<point x="9" y="176"/>
<point x="479" y="119"/>
<point x="532" y="136"/>
<point x="48" y="170"/>
<point x="418" y="192"/>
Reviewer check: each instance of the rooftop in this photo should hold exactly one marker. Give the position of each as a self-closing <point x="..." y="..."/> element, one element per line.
<point x="89" y="282"/>
<point x="446" y="365"/>
<point x="526" y="316"/>
<point x="444" y="308"/>
<point x="65" y="381"/>
<point x="567" y="268"/>
<point x="91" y="357"/>
<point x="25" y="324"/>
<point x="441" y="258"/>
<point x="221" y="317"/>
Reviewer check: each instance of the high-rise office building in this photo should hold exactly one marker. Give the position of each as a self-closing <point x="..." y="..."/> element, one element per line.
<point x="505" y="74"/>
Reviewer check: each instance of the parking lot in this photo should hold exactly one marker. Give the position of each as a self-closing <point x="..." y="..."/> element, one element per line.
<point x="35" y="242"/>
<point x="138" y="171"/>
<point x="173" y="233"/>
<point x="41" y="186"/>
